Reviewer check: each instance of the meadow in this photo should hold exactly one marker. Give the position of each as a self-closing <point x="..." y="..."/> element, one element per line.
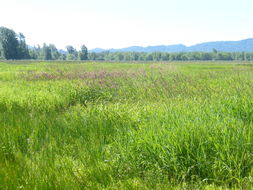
<point x="98" y="125"/>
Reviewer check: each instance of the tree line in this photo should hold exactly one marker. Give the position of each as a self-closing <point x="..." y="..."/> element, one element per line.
<point x="163" y="56"/>
<point x="13" y="46"/>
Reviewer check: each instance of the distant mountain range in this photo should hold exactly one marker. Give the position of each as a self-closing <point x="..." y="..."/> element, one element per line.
<point x="222" y="46"/>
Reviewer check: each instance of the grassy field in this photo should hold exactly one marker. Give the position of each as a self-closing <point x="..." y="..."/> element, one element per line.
<point x="177" y="125"/>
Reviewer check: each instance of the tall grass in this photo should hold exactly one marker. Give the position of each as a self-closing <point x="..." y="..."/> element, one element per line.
<point x="126" y="126"/>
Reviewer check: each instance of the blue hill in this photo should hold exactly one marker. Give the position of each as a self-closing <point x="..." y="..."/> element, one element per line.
<point x="222" y="46"/>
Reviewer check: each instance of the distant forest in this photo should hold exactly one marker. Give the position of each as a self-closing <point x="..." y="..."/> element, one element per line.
<point x="13" y="47"/>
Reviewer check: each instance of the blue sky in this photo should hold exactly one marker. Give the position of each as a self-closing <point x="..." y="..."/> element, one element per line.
<point x="123" y="23"/>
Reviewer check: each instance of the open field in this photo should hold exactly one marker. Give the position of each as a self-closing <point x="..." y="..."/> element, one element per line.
<point x="177" y="125"/>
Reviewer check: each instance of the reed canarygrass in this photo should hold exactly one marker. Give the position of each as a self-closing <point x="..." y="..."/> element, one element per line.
<point x="126" y="126"/>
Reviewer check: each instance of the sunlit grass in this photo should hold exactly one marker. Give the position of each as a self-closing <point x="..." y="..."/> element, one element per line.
<point x="126" y="126"/>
